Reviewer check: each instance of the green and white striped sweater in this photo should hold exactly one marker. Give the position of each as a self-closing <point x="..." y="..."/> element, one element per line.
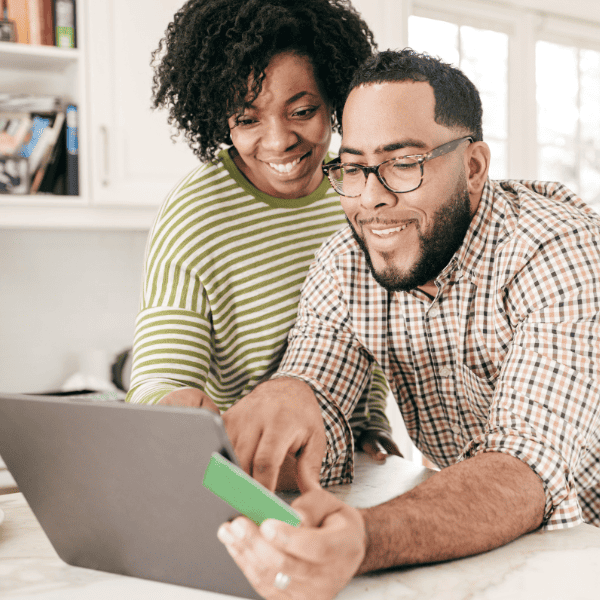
<point x="223" y="271"/>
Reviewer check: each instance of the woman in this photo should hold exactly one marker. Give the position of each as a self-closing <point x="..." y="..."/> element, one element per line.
<point x="232" y="243"/>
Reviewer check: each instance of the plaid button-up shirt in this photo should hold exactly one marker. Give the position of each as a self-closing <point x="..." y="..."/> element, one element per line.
<point x="506" y="358"/>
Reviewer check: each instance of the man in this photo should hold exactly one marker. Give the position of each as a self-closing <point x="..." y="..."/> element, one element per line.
<point x="478" y="299"/>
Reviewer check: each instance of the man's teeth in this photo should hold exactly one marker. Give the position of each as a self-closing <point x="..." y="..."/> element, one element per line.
<point x="382" y="232"/>
<point x="287" y="167"/>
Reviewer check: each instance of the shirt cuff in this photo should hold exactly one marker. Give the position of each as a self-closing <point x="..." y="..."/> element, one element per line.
<point x="561" y="508"/>
<point x="338" y="463"/>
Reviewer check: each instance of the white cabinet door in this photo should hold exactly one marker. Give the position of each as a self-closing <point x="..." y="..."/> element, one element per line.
<point x="134" y="162"/>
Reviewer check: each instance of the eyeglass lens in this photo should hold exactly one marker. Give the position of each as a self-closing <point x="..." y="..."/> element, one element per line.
<point x="400" y="174"/>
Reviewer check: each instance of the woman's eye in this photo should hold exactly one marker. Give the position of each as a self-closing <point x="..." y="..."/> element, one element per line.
<point x="244" y="121"/>
<point x="305" y="112"/>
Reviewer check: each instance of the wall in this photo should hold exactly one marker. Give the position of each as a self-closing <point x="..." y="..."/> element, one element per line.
<point x="63" y="294"/>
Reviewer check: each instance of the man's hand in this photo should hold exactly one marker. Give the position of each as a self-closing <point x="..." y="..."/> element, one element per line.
<point x="320" y="557"/>
<point x="190" y="397"/>
<point x="280" y="418"/>
<point x="377" y="444"/>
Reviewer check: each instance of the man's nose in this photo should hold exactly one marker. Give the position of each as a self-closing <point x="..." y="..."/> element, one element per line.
<point x="375" y="194"/>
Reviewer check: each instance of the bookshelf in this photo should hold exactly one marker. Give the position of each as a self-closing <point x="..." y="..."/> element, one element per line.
<point x="127" y="161"/>
<point x="44" y="70"/>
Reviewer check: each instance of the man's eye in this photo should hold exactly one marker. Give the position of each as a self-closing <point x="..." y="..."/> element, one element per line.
<point x="404" y="164"/>
<point x="350" y="171"/>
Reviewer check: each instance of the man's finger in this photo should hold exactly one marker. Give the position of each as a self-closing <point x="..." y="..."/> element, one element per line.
<point x="268" y="458"/>
<point x="244" y="445"/>
<point x="309" y="464"/>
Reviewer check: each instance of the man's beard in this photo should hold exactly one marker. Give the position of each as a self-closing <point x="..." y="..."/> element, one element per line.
<point x="437" y="246"/>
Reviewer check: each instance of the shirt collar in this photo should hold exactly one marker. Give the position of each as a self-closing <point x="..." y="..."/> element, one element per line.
<point x="475" y="255"/>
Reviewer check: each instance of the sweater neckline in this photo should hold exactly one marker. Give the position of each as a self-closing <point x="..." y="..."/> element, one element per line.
<point x="319" y="194"/>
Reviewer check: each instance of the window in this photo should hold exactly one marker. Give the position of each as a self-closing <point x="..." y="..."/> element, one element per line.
<point x="538" y="74"/>
<point x="568" y="123"/>
<point x="483" y="56"/>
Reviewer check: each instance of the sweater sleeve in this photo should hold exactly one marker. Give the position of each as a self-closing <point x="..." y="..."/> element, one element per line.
<point x="369" y="414"/>
<point x="172" y="343"/>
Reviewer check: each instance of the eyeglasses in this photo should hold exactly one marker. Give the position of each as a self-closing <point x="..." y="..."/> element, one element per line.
<point x="399" y="175"/>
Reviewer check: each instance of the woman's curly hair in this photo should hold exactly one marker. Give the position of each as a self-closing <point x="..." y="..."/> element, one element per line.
<point x="214" y="47"/>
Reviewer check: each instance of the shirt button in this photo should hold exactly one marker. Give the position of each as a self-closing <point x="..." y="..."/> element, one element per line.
<point x="455" y="429"/>
<point x="445" y="372"/>
<point x="434" y="312"/>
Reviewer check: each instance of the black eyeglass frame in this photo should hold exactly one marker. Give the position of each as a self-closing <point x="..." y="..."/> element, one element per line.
<point x="421" y="159"/>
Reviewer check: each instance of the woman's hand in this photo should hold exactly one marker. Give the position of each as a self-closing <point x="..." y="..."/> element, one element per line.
<point x="377" y="444"/>
<point x="190" y="397"/>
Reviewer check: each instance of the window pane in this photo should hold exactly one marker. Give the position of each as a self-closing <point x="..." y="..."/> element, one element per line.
<point x="483" y="56"/>
<point x="589" y="68"/>
<point x="590" y="96"/>
<point x="569" y="117"/>
<point x="437" y="38"/>
<point x="498" y="166"/>
<point x="485" y="62"/>
<point x="558" y="164"/>
<point x="590" y="180"/>
<point x="557" y="89"/>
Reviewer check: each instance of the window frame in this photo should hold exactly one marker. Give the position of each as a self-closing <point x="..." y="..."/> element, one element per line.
<point x="525" y="23"/>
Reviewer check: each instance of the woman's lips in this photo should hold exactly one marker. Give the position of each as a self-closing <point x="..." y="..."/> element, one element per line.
<point x="286" y="168"/>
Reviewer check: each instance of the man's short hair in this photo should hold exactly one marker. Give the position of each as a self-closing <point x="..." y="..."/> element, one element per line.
<point x="457" y="101"/>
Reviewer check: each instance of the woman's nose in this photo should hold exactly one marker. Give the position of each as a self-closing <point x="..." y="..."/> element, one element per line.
<point x="279" y="136"/>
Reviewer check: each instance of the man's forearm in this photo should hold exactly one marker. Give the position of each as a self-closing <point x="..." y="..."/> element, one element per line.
<point x="471" y="507"/>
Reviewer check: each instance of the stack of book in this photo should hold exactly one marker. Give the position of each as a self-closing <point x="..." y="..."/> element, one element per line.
<point x="42" y="22"/>
<point x="38" y="145"/>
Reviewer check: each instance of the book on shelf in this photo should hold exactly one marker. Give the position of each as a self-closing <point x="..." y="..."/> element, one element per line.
<point x="36" y="141"/>
<point x="18" y="13"/>
<point x="14" y="176"/>
<point x="41" y="22"/>
<point x="41" y="19"/>
<point x="14" y="127"/>
<point x="50" y="179"/>
<point x="8" y="29"/>
<point x="47" y="151"/>
<point x="44" y="158"/>
<point x="65" y="32"/>
<point x="72" y="151"/>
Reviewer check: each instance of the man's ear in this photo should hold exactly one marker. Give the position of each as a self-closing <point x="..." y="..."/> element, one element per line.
<point x="477" y="164"/>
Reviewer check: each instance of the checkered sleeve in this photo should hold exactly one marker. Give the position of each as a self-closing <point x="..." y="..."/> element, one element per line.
<point x="546" y="406"/>
<point x="324" y="352"/>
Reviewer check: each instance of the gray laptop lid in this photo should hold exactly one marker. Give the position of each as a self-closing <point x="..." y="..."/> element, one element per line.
<point x="118" y="487"/>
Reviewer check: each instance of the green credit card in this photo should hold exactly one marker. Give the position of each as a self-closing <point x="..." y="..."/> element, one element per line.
<point x="244" y="493"/>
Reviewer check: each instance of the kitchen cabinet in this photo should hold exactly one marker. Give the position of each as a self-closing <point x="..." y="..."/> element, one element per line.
<point x="134" y="162"/>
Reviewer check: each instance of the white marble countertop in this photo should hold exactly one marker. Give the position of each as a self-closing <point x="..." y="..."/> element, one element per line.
<point x="557" y="565"/>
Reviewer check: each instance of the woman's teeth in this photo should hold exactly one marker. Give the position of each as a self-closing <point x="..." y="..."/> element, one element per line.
<point x="287" y="167"/>
<point x="382" y="232"/>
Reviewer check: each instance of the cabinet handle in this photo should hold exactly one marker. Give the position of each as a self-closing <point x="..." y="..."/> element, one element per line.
<point x="104" y="156"/>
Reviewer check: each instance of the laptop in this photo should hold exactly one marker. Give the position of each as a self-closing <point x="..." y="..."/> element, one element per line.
<point x="118" y="487"/>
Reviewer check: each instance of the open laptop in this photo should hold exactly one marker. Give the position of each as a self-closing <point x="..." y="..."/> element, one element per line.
<point x="118" y="487"/>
